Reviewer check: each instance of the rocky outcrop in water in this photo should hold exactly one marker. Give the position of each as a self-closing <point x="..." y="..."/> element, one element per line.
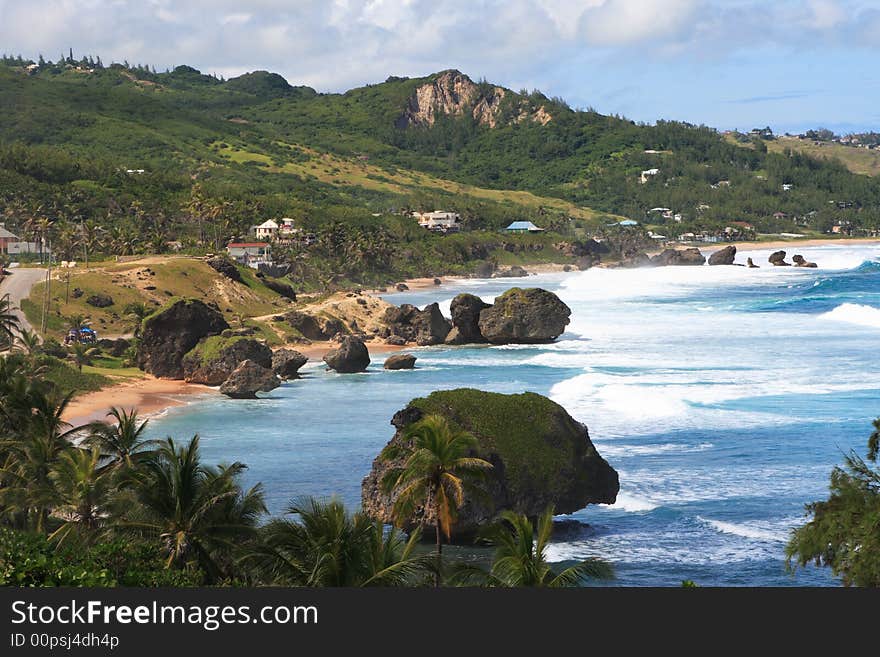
<point x="424" y="327"/>
<point x="214" y="359"/>
<point x="751" y="264"/>
<point x="513" y="272"/>
<point x="247" y="380"/>
<point x="350" y="357"/>
<point x="466" y="309"/>
<point x="400" y="362"/>
<point x="169" y="334"/>
<point x="724" y="256"/>
<point x="524" y="316"/>
<point x="540" y="456"/>
<point x="777" y="259"/>
<point x="800" y="261"/>
<point x="635" y="261"/>
<point x="287" y="362"/>
<point x="679" y="258"/>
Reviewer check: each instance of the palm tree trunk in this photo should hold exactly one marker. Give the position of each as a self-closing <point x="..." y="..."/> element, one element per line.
<point x="439" y="543"/>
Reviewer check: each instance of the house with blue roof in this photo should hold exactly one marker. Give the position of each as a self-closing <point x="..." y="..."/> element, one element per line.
<point x="523" y="227"/>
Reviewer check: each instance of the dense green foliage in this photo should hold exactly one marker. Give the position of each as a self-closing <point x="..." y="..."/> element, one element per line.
<point x="844" y="532"/>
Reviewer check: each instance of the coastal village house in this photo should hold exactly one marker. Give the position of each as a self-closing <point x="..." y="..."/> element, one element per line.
<point x="266" y="230"/>
<point x="648" y="173"/>
<point x="251" y="254"/>
<point x="283" y="231"/>
<point x="439" y="221"/>
<point x="523" y="227"/>
<point x="6" y="238"/>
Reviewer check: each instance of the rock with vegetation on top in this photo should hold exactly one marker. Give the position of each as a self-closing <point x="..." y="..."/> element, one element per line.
<point x="678" y="258"/>
<point x="350" y="357"/>
<point x="424" y="327"/>
<point x="171" y="332"/>
<point x="100" y="300"/>
<point x="800" y="261"/>
<point x="286" y="363"/>
<point x="400" y="362"/>
<point x="540" y="454"/>
<point x="247" y="380"/>
<point x="214" y="359"/>
<point x="466" y="309"/>
<point x="524" y="316"/>
<point x="225" y="267"/>
<point x="723" y="256"/>
<point x="777" y="259"/>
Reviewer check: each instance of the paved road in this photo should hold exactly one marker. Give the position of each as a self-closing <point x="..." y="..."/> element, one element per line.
<point x="18" y="286"/>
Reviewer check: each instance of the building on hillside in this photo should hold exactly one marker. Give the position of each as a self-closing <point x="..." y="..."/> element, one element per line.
<point x="523" y="227"/>
<point x="648" y="173"/>
<point x="787" y="187"/>
<point x="439" y="221"/>
<point x="6" y="238"/>
<point x="266" y="230"/>
<point x="251" y="254"/>
<point x="664" y="213"/>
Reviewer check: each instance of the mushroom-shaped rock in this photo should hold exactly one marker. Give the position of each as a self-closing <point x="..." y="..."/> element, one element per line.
<point x="723" y="256"/>
<point x="400" y="362"/>
<point x="286" y="363"/>
<point x="777" y="259"/>
<point x="524" y="316"/>
<point x="678" y="257"/>
<point x="350" y="357"/>
<point x="214" y="359"/>
<point x="466" y="309"/>
<point x="540" y="456"/>
<point x="247" y="380"/>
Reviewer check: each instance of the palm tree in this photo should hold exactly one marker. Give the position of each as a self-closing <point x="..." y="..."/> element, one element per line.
<point x="122" y="441"/>
<point x="79" y="355"/>
<point x="29" y="341"/>
<point x="521" y="555"/>
<point x="435" y="472"/>
<point x="198" y="513"/>
<point x="9" y="322"/>
<point x="84" y="493"/>
<point x="134" y="315"/>
<point x="327" y="546"/>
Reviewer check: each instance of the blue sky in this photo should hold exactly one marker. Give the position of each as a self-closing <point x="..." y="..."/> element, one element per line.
<point x="790" y="64"/>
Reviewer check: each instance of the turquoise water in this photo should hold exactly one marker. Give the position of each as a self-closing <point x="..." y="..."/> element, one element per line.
<point x="722" y="395"/>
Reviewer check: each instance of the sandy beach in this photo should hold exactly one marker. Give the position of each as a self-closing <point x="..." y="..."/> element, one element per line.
<point x="791" y="245"/>
<point x="149" y="396"/>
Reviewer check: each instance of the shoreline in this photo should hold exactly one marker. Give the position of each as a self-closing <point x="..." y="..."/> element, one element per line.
<point x="786" y="245"/>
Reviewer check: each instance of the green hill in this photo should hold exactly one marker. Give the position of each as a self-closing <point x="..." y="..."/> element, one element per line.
<point x="221" y="155"/>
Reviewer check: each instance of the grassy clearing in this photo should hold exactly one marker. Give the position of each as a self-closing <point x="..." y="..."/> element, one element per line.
<point x="857" y="160"/>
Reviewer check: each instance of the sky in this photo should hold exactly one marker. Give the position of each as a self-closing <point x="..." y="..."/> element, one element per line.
<point x="730" y="64"/>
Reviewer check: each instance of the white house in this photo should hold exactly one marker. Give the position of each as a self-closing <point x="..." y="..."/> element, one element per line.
<point x="523" y="227"/>
<point x="438" y="220"/>
<point x="266" y="230"/>
<point x="250" y="253"/>
<point x="647" y="173"/>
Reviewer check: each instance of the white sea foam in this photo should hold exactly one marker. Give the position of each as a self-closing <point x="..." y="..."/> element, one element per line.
<point x="631" y="503"/>
<point x="854" y="313"/>
<point x="610" y="449"/>
<point x="749" y="531"/>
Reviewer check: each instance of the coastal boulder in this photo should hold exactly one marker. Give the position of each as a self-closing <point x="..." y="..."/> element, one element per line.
<point x="247" y="380"/>
<point x="314" y="328"/>
<point x="171" y="332"/>
<point x="723" y="256"/>
<point x="225" y="267"/>
<point x="800" y="261"/>
<point x="514" y="272"/>
<point x="466" y="309"/>
<point x="424" y="327"/>
<point x="751" y="264"/>
<point x="678" y="258"/>
<point x="286" y="363"/>
<point x="351" y="356"/>
<point x="635" y="261"/>
<point x="214" y="359"/>
<point x="540" y="456"/>
<point x="777" y="259"/>
<point x="524" y="316"/>
<point x="400" y="362"/>
<point x="100" y="300"/>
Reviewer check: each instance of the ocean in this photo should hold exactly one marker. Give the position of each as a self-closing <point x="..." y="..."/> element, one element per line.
<point x="722" y="395"/>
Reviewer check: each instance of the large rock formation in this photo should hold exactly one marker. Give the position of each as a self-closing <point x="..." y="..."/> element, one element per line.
<point x="225" y="267"/>
<point x="635" y="261"/>
<point x="400" y="362"/>
<point x="214" y="359"/>
<point x="424" y="327"/>
<point x="451" y="93"/>
<point x="286" y="363"/>
<point x="170" y="333"/>
<point x="247" y="380"/>
<point x="351" y="356"/>
<point x="679" y="257"/>
<point x="513" y="272"/>
<point x="777" y="259"/>
<point x="540" y="454"/>
<point x="466" y="309"/>
<point x="723" y="256"/>
<point x="800" y="261"/>
<point x="314" y="328"/>
<point x="524" y="316"/>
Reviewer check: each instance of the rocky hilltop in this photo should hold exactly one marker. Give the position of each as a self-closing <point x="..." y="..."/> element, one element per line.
<point x="540" y="454"/>
<point x="452" y="93"/>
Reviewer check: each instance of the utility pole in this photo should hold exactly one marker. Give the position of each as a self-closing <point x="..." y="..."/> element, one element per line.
<point x="47" y="296"/>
